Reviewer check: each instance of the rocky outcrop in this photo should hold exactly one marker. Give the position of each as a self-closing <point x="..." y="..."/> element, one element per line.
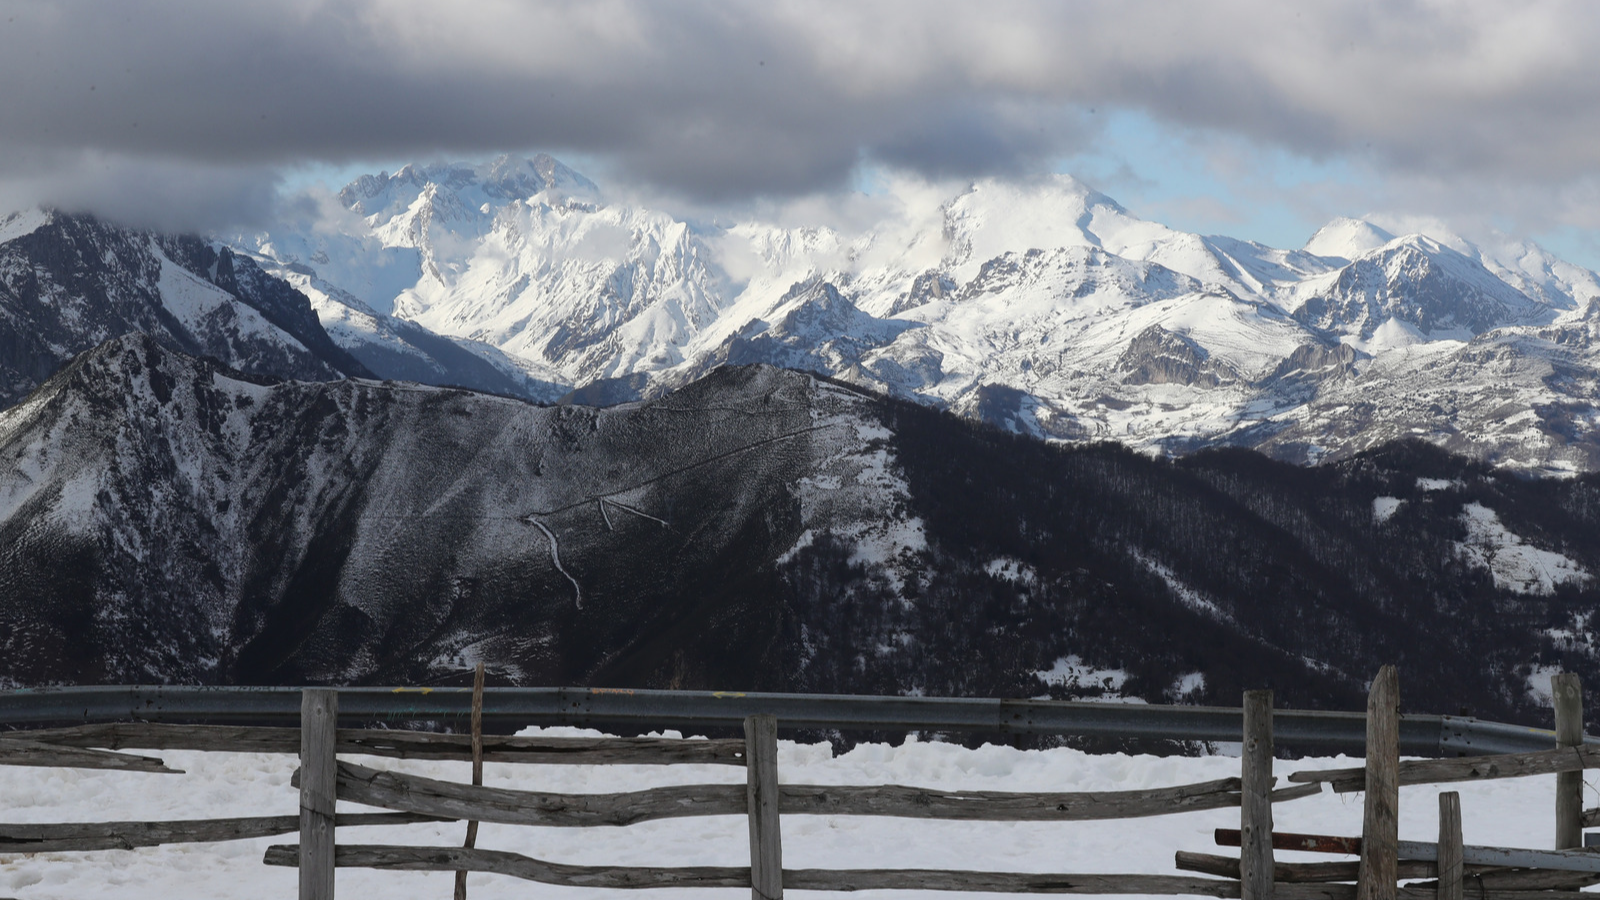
<point x="1158" y="356"/>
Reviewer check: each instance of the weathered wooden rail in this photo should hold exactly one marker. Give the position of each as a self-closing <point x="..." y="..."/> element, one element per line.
<point x="323" y="779"/>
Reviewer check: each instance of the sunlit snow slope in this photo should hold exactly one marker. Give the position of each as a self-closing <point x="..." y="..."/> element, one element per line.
<point x="1042" y="306"/>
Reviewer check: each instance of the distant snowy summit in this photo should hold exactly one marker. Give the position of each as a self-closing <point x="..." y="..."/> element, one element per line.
<point x="1041" y="306"/>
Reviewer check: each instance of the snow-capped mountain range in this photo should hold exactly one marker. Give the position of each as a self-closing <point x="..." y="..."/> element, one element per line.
<point x="1042" y="306"/>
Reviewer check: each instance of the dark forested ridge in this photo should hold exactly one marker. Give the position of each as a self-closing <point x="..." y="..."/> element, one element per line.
<point x="163" y="518"/>
<point x="1275" y="575"/>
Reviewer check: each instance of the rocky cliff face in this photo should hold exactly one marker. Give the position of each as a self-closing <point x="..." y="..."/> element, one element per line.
<point x="68" y="283"/>
<point x="164" y="518"/>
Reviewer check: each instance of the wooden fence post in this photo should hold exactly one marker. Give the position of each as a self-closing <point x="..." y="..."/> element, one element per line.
<point x="761" y="769"/>
<point x="319" y="723"/>
<point x="1450" y="865"/>
<point x="1255" y="807"/>
<point x="1380" y="823"/>
<point x="1567" y="692"/>
<point x="477" y="771"/>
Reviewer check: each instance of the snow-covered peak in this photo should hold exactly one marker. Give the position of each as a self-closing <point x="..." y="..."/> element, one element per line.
<point x="1345" y="238"/>
<point x="1419" y="281"/>
<point x="25" y="222"/>
<point x="1535" y="271"/>
<point x="383" y="196"/>
<point x="993" y="217"/>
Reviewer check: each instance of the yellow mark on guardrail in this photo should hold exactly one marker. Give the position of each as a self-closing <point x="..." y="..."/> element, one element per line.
<point x="723" y="695"/>
<point x="406" y="690"/>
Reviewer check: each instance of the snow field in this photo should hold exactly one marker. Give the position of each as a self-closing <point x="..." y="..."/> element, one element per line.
<point x="1511" y="812"/>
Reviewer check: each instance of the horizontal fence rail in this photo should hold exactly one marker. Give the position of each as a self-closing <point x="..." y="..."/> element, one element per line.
<point x="57" y="837"/>
<point x="1420" y="735"/>
<point x="447" y="800"/>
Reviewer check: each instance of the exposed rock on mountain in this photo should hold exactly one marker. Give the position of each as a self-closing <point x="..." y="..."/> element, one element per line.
<point x="1418" y="282"/>
<point x="165" y="518"/>
<point x="68" y="283"/>
<point x="1157" y="356"/>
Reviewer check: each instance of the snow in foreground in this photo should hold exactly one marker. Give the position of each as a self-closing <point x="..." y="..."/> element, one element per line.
<point x="1512" y="812"/>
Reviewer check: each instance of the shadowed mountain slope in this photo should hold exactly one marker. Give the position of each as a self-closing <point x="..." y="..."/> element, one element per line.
<point x="163" y="518"/>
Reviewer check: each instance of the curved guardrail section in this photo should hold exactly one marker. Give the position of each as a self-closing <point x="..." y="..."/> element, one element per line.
<point x="1420" y="735"/>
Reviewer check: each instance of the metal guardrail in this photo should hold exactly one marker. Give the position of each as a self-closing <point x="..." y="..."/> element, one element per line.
<point x="644" y="710"/>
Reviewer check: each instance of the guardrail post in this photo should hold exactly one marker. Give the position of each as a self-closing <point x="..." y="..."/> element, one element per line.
<point x="1380" y="823"/>
<point x="1451" y="868"/>
<point x="1567" y="692"/>
<point x="319" y="723"/>
<point x="1255" y="799"/>
<point x="761" y="769"/>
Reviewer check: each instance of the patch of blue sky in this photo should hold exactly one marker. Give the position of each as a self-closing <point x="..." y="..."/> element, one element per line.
<point x="1573" y="244"/>
<point x="1214" y="183"/>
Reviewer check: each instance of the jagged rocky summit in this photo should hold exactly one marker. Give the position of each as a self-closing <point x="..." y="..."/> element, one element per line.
<point x="167" y="518"/>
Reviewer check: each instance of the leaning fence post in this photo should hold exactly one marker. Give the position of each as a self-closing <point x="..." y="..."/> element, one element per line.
<point x="761" y="770"/>
<point x="319" y="723"/>
<point x="1255" y="806"/>
<point x="1380" y="823"/>
<point x="1451" y="869"/>
<point x="1567" y="692"/>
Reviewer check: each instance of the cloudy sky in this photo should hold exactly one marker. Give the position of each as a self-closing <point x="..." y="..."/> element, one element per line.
<point x="1259" y="119"/>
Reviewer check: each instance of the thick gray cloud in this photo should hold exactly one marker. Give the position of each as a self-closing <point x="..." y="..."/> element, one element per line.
<point x="721" y="100"/>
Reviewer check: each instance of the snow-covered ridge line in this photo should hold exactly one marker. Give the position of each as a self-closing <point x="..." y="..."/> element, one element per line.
<point x="1044" y="307"/>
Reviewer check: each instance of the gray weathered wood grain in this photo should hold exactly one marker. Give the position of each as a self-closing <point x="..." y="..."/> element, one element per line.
<point x="1380" y="821"/>
<point x="1255" y="792"/>
<point x="15" y="751"/>
<point x="450" y="859"/>
<point x="413" y="793"/>
<point x="438" y="859"/>
<point x="319" y="720"/>
<point x="68" y="836"/>
<point x="477" y="771"/>
<point x="1566" y="692"/>
<point x="1294" y="873"/>
<point x="1469" y="768"/>
<point x="1510" y="857"/>
<point x="1451" y="865"/>
<point x="761" y="807"/>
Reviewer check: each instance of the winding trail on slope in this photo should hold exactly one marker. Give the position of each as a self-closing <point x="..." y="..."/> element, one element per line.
<point x="555" y="557"/>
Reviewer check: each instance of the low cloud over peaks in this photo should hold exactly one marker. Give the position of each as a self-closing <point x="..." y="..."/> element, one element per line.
<point x="725" y="101"/>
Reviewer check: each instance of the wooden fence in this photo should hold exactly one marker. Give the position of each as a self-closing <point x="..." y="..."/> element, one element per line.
<point x="323" y="779"/>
